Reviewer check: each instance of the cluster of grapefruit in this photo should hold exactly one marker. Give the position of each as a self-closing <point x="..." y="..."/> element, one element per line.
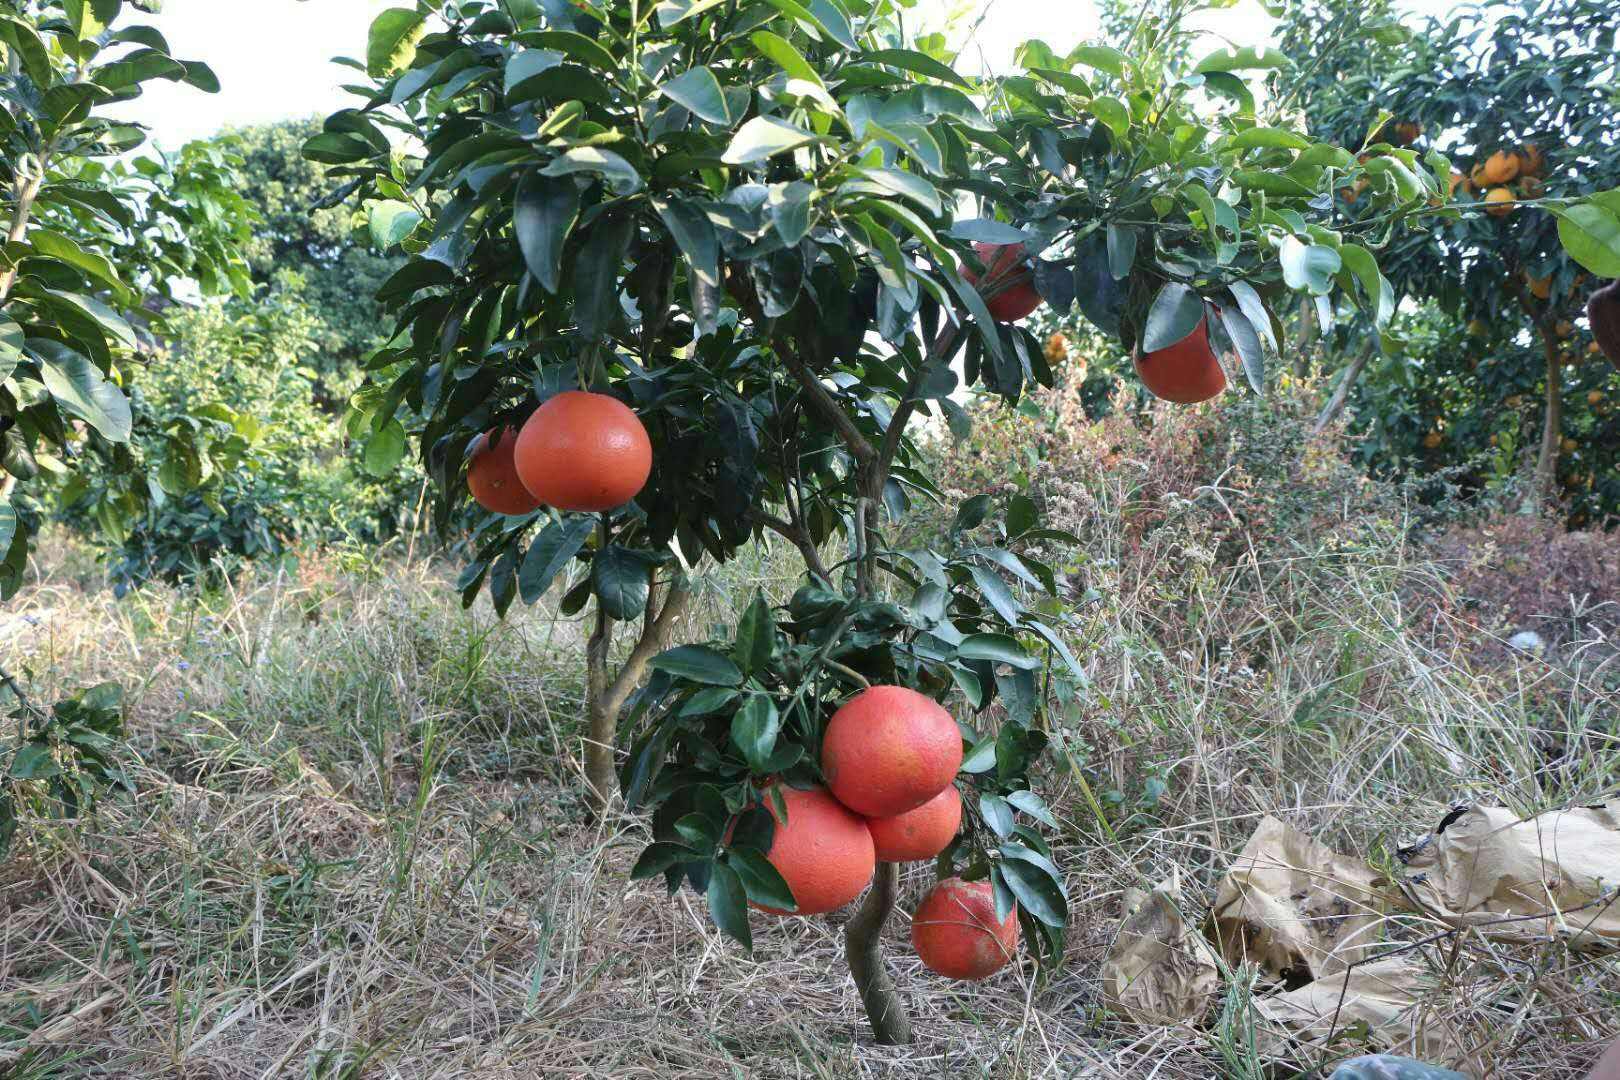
<point x="890" y="756"/>
<point x="578" y="451"/>
<point x="1503" y="178"/>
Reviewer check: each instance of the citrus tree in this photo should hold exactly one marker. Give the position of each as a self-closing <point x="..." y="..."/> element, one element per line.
<point x="681" y="277"/>
<point x="1520" y="95"/>
<point x="93" y="237"/>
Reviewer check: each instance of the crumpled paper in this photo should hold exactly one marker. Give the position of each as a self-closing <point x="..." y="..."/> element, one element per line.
<point x="1484" y="865"/>
<point x="1387" y="996"/>
<point x="1295" y="907"/>
<point x="1159" y="969"/>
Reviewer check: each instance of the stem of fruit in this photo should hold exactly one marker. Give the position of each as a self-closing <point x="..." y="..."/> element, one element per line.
<point x="863" y="939"/>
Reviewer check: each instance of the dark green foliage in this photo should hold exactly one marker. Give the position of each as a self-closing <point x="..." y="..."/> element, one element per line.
<point x="64" y="761"/>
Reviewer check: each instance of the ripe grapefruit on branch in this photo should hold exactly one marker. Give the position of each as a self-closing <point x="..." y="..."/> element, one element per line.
<point x="890" y="749"/>
<point x="584" y="451"/>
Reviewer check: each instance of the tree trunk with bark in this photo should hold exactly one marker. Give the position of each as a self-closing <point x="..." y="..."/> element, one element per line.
<point x="1552" y="427"/>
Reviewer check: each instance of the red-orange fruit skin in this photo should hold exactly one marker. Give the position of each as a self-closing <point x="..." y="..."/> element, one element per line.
<point x="823" y="852"/>
<point x="888" y="750"/>
<point x="921" y="833"/>
<point x="584" y="451"/>
<point x="1017" y="298"/>
<point x="956" y="933"/>
<point x="492" y="475"/>
<point x="1186" y="372"/>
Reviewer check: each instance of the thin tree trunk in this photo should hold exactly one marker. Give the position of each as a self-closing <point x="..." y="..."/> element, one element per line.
<point x="863" y="939"/>
<point x="1341" y="393"/>
<point x="1552" y="428"/>
<point x="605" y="698"/>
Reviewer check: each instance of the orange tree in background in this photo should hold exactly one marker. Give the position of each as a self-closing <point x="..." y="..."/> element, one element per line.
<point x="757" y="238"/>
<point x="1520" y="95"/>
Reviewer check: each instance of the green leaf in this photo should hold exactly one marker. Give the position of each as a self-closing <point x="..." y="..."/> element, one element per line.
<point x="997" y="814"/>
<point x="1255" y="309"/>
<point x="695" y="234"/>
<point x="391" y="44"/>
<point x="30" y="50"/>
<point x="1175" y="313"/>
<point x="1036" y="882"/>
<point x="789" y="208"/>
<point x="1308" y="266"/>
<point x="1113" y="113"/>
<point x="657" y="857"/>
<point x="391" y="222"/>
<point x="551" y="551"/>
<point x="917" y="63"/>
<point x="997" y="649"/>
<point x="525" y="66"/>
<point x="671" y="12"/>
<point x="1590" y="232"/>
<point x="33" y="761"/>
<point x="8" y="526"/>
<point x="137" y="67"/>
<point x="762" y="138"/>
<point x="756" y="635"/>
<point x="1268" y="137"/>
<point x="699" y="91"/>
<point x="993" y="589"/>
<point x="1033" y="805"/>
<point x="700" y="664"/>
<point x="90" y="17"/>
<point x="577" y="46"/>
<point x="1247" y="342"/>
<point x="1379" y="294"/>
<point x="81" y="390"/>
<point x="786" y="57"/>
<point x="762" y="881"/>
<point x="622" y="579"/>
<point x="545" y="212"/>
<point x="385" y="449"/>
<point x="981" y="758"/>
<point x="728" y="903"/>
<point x="596" y="274"/>
<point x="1100" y="57"/>
<point x="1247" y="58"/>
<point x="754" y="728"/>
<point x="56" y="246"/>
<point x="620" y="175"/>
<point x="831" y="19"/>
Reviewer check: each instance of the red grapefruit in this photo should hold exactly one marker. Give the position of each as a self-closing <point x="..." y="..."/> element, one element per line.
<point x="1007" y="274"/>
<point x="956" y="933"/>
<point x="492" y="474"/>
<point x="890" y="749"/>
<point x="921" y="833"/>
<point x="823" y="851"/>
<point x="583" y="451"/>
<point x="1186" y="372"/>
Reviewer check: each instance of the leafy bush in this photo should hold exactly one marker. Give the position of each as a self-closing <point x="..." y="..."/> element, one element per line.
<point x="246" y="462"/>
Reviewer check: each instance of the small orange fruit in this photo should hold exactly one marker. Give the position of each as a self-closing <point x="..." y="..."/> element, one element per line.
<point x="956" y="933"/>
<point x="1569" y="446"/>
<point x="1594" y="397"/>
<point x="890" y="749"/>
<point x="1477" y="328"/>
<point x="1499" y="168"/>
<point x="1540" y="287"/>
<point x="1057" y="348"/>
<point x="1530" y="160"/>
<point x="583" y="451"/>
<point x="1564" y="328"/>
<point x="1499" y="202"/>
<point x="1530" y="187"/>
<point x="1514" y="401"/>
<point x="822" y="851"/>
<point x="1407" y="132"/>
<point x="492" y="474"/>
<point x="921" y="833"/>
<point x="1433" y="440"/>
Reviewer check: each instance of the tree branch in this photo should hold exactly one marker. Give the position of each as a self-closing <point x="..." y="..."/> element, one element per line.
<point x="1341" y="393"/>
<point x="822" y="401"/>
<point x="655" y="631"/>
<point x="863" y="937"/>
<point x="795" y="535"/>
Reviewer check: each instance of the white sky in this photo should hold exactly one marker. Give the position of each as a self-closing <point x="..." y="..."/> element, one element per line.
<point x="275" y="63"/>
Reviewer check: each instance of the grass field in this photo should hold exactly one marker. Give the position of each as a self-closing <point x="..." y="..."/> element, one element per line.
<point x="358" y="846"/>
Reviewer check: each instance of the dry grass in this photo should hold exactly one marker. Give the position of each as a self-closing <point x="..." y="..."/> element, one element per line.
<point x="358" y="847"/>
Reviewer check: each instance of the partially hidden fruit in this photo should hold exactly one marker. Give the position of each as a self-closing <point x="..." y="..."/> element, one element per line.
<point x="1594" y="397"/>
<point x="1499" y="168"/>
<point x="1564" y="328"/>
<point x="921" y="833"/>
<point x="1406" y="132"/>
<point x="1530" y="187"/>
<point x="1433" y="440"/>
<point x="822" y="851"/>
<point x="1477" y="328"/>
<point x="890" y="749"/>
<point x="1540" y="287"/>
<point x="1186" y="372"/>
<point x="956" y="933"/>
<point x="1007" y="276"/>
<point x="492" y="474"/>
<point x="1530" y="160"/>
<point x="583" y="451"/>
<point x="1603" y="311"/>
<point x="1569" y="446"/>
<point x="1499" y="202"/>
